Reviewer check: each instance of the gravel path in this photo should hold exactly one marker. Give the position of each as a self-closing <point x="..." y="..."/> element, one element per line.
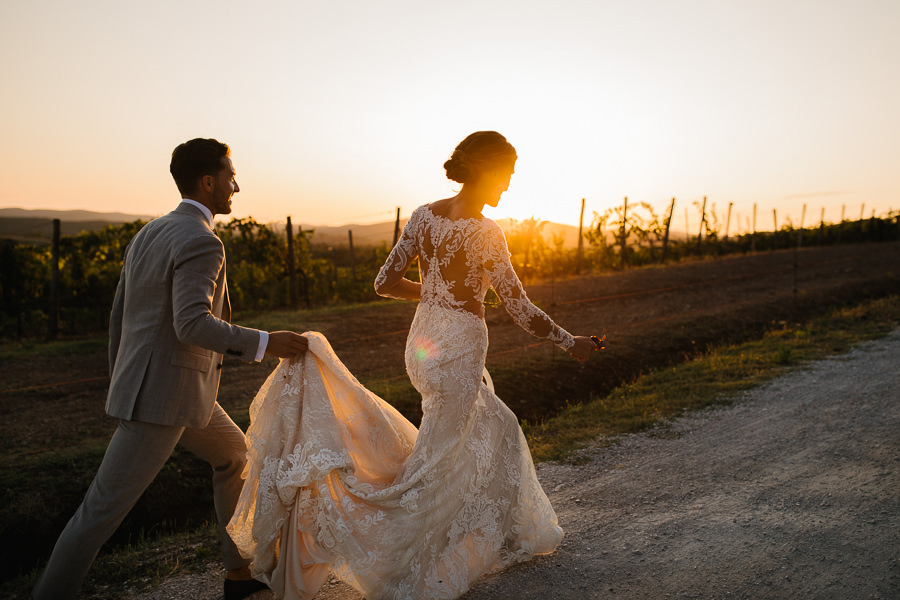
<point x="792" y="492"/>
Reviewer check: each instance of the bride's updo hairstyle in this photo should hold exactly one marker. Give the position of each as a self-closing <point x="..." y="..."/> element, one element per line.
<point x="481" y="152"/>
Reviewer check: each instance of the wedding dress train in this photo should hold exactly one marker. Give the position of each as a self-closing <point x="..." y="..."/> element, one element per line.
<point x="338" y="480"/>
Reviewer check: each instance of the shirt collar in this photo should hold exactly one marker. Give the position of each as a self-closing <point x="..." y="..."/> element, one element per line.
<point x="206" y="212"/>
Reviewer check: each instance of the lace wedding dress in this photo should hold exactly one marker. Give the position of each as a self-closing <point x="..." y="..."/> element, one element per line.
<point x="338" y="480"/>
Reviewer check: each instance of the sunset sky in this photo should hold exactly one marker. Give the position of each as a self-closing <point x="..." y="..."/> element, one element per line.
<point x="338" y="112"/>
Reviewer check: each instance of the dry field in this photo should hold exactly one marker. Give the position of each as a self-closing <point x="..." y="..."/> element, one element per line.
<point x="652" y="317"/>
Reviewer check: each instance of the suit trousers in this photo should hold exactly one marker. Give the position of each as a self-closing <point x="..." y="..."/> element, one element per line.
<point x="136" y="453"/>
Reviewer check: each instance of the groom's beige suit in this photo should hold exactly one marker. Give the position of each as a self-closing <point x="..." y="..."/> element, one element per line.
<point x="169" y="331"/>
<point x="169" y="324"/>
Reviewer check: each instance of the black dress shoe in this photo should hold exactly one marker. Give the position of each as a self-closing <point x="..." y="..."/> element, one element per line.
<point x="240" y="589"/>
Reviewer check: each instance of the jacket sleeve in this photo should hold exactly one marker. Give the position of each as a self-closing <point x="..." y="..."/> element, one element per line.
<point x="197" y="267"/>
<point x="115" y="321"/>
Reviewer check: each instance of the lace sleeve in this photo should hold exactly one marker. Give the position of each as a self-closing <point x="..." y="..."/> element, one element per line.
<point x="507" y="285"/>
<point x="400" y="258"/>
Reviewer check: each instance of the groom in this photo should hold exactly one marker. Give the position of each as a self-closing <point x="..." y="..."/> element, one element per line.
<point x="169" y="330"/>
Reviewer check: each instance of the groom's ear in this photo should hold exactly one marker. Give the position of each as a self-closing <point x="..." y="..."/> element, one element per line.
<point x="207" y="183"/>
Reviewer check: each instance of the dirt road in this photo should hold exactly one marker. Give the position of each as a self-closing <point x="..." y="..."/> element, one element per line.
<point x="792" y="492"/>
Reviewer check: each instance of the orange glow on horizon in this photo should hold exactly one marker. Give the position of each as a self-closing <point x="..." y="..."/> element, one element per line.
<point x="337" y="116"/>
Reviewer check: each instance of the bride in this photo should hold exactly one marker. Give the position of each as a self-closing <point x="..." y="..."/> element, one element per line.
<point x="337" y="480"/>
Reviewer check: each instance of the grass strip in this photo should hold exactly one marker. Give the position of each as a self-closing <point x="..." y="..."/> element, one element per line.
<point x="715" y="378"/>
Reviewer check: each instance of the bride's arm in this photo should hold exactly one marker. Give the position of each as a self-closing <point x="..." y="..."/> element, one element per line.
<point x="507" y="285"/>
<point x="390" y="281"/>
<point x="403" y="289"/>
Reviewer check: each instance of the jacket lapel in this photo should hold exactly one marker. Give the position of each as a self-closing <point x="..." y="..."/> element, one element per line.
<point x="226" y="305"/>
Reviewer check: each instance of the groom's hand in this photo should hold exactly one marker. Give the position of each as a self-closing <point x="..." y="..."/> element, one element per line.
<point x="286" y="344"/>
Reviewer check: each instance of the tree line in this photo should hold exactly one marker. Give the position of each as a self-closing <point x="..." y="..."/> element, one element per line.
<point x="272" y="267"/>
<point x="80" y="294"/>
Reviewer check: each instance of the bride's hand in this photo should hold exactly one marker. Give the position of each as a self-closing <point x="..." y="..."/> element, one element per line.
<point x="582" y="348"/>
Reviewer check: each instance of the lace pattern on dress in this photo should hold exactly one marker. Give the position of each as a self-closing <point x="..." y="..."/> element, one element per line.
<point x="337" y="479"/>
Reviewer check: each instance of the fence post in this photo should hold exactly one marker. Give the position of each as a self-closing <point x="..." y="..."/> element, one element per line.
<point x="797" y="248"/>
<point x="800" y="231"/>
<point x="822" y="227"/>
<point x="702" y="223"/>
<point x="841" y="226"/>
<point x="396" y="228"/>
<point x="728" y="219"/>
<point x="624" y="231"/>
<point x="580" y="258"/>
<point x="666" y="236"/>
<point x="54" y="284"/>
<point x="292" y="271"/>
<point x="352" y="256"/>
<point x="775" y="232"/>
<point x="753" y="235"/>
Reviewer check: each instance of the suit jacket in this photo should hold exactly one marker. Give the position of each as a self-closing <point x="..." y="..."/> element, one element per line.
<point x="169" y="326"/>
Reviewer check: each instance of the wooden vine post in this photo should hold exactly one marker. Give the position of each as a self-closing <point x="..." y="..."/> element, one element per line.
<point x="624" y="232"/>
<point x="579" y="262"/>
<point x="293" y="289"/>
<point x="666" y="236"/>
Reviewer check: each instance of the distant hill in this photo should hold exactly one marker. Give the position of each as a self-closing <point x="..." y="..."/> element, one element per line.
<point x="71" y="215"/>
<point x="37" y="226"/>
<point x="372" y="234"/>
<point x="26" y="225"/>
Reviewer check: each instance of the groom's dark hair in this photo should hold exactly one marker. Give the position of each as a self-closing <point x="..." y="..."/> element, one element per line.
<point x="194" y="159"/>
